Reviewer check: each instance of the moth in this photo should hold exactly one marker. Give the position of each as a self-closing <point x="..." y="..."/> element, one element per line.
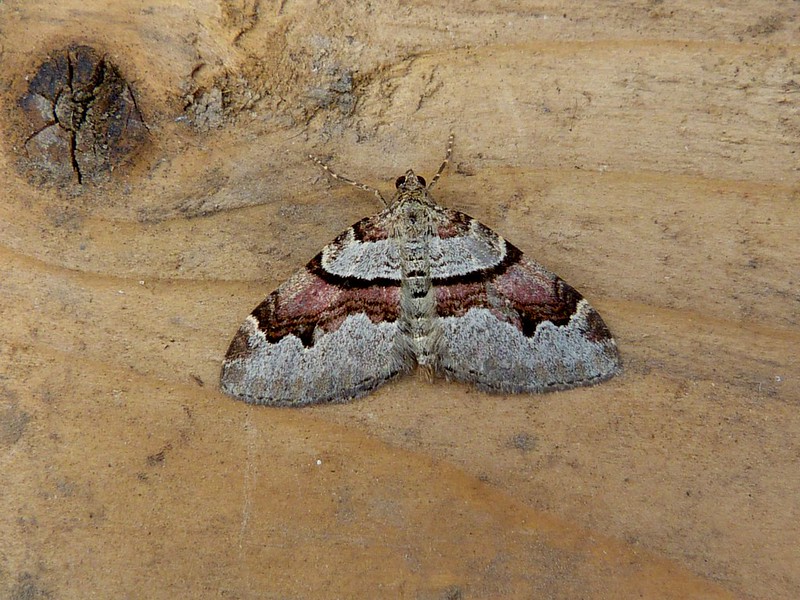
<point x="422" y="285"/>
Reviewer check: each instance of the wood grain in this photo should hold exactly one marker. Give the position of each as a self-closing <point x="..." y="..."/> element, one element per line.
<point x="644" y="151"/>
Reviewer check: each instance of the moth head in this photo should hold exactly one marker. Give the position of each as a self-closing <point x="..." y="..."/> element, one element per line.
<point x="409" y="181"/>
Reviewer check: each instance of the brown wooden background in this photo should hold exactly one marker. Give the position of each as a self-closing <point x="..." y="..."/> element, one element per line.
<point x="647" y="151"/>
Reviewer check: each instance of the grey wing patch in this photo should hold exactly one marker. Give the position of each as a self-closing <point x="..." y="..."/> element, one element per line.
<point x="498" y="356"/>
<point x="354" y="256"/>
<point x="464" y="246"/>
<point x="346" y="363"/>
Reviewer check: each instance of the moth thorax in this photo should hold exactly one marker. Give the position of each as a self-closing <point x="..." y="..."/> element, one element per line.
<point x="415" y="215"/>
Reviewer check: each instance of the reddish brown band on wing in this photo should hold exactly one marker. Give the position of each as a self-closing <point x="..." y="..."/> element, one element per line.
<point x="308" y="302"/>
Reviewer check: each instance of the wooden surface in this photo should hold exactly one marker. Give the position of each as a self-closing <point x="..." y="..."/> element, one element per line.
<point x="645" y="151"/>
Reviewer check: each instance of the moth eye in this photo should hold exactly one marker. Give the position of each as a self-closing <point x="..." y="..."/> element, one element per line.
<point x="400" y="181"/>
<point x="421" y="181"/>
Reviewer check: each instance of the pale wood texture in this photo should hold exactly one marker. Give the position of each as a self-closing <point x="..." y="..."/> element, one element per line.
<point x="645" y="151"/>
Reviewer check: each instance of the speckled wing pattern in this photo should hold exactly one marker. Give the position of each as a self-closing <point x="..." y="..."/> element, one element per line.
<point x="417" y="285"/>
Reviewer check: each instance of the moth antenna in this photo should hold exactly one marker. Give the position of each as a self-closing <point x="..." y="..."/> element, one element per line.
<point x="361" y="186"/>
<point x="444" y="162"/>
